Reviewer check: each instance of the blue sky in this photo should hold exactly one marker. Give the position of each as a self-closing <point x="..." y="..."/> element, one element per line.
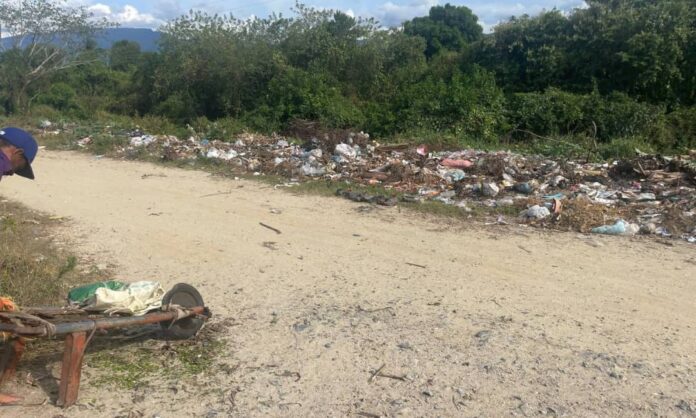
<point x="152" y="14"/>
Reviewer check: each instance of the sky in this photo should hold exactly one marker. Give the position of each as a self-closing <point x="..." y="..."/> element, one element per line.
<point x="154" y="13"/>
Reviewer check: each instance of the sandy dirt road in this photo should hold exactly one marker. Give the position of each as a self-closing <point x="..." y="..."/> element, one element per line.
<point x="501" y="321"/>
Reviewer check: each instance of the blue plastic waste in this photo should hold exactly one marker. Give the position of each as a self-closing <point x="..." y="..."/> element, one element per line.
<point x="618" y="228"/>
<point x="454" y="176"/>
<point x="525" y="188"/>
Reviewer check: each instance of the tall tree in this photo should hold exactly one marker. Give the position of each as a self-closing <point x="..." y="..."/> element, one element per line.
<point x="124" y="55"/>
<point x="446" y="28"/>
<point x="40" y="38"/>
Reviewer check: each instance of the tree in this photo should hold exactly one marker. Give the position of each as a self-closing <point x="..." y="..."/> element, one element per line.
<point x="529" y="53"/>
<point x="446" y="28"/>
<point x="124" y="55"/>
<point x="641" y="47"/>
<point x="42" y="37"/>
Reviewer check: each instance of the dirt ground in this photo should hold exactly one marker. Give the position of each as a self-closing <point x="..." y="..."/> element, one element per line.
<point x="463" y="320"/>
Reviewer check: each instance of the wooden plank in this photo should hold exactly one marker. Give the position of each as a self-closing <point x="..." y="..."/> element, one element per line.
<point x="71" y="368"/>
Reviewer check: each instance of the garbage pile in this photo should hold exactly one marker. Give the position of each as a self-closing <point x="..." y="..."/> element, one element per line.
<point x="648" y="195"/>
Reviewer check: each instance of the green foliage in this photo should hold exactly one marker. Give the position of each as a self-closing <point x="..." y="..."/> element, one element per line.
<point x="624" y="147"/>
<point x="642" y="48"/>
<point x="446" y="28"/>
<point x="60" y="96"/>
<point x="298" y="94"/>
<point x="614" y="73"/>
<point x="124" y="55"/>
<point x="555" y="112"/>
<point x="45" y="38"/>
<point x="682" y="126"/>
<point x="466" y="104"/>
<point x="222" y="129"/>
<point x="528" y="53"/>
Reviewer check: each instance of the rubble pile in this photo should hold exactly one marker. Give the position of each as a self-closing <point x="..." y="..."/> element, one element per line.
<point x="649" y="194"/>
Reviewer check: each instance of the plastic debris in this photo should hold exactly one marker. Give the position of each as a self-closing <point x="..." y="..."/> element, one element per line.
<point x="535" y="212"/>
<point x="142" y="141"/>
<point x="490" y="189"/>
<point x="656" y="193"/>
<point x="222" y="155"/>
<point x="84" y="141"/>
<point x="621" y="227"/>
<point x="345" y="153"/>
<point x="458" y="163"/>
<point x="524" y="188"/>
<point x="453" y="176"/>
<point x="309" y="170"/>
<point x="82" y="294"/>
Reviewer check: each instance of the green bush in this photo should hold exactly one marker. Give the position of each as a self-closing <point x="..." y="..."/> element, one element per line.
<point x="300" y="94"/>
<point x="44" y="111"/>
<point x="156" y="125"/>
<point x="624" y="147"/>
<point x="468" y="105"/>
<point x="617" y="115"/>
<point x="222" y="129"/>
<point x="552" y="112"/>
<point x="178" y="107"/>
<point x="60" y="96"/>
<point x="682" y="127"/>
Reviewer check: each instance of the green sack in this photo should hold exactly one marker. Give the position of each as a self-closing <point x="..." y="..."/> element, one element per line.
<point x="80" y="295"/>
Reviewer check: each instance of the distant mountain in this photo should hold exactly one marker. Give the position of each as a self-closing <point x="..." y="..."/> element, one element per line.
<point x="147" y="38"/>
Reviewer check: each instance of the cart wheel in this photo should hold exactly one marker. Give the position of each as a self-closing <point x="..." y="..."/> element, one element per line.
<point x="185" y="296"/>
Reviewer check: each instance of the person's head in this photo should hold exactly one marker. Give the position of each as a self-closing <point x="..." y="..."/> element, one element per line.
<point x="20" y="148"/>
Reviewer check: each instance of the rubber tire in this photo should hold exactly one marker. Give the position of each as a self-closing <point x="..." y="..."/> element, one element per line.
<point x="186" y="296"/>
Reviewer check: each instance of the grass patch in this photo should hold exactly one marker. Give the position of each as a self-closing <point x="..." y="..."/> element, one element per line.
<point x="33" y="269"/>
<point x="140" y="362"/>
<point x="123" y="370"/>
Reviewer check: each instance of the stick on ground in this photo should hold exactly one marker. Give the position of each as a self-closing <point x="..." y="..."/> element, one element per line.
<point x="376" y="373"/>
<point x="277" y="231"/>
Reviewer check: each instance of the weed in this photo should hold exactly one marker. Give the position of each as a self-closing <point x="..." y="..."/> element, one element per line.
<point x="32" y="269"/>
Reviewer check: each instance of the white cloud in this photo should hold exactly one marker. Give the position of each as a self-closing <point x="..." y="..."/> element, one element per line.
<point x="489" y="12"/>
<point x="100" y="9"/>
<point x="128" y="16"/>
<point x="391" y="14"/>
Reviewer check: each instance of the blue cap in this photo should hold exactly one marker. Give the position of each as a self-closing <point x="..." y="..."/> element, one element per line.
<point x="23" y="140"/>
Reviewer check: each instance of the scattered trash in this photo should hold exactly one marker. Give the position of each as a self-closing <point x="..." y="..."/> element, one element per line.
<point x="345" y="153"/>
<point x="80" y="295"/>
<point x="84" y="141"/>
<point x="535" y="212"/>
<point x="524" y="188"/>
<point x="363" y="197"/>
<point x="222" y="155"/>
<point x="490" y="189"/>
<point x="142" y="141"/>
<point x="114" y="297"/>
<point x="311" y="171"/>
<point x="453" y="176"/>
<point x="621" y="227"/>
<point x="656" y="193"/>
<point x="447" y="162"/>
